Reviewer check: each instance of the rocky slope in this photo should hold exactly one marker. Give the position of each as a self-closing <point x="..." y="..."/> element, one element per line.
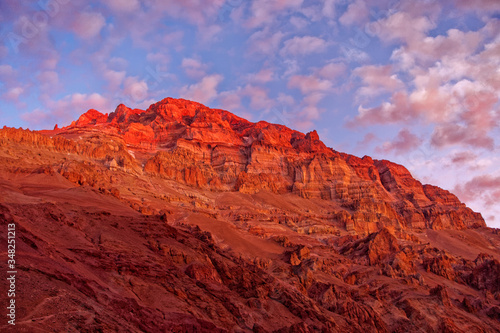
<point x="213" y="149"/>
<point x="180" y="218"/>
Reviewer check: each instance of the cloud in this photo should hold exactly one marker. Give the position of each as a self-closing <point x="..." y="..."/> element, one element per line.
<point x="88" y="25"/>
<point x="328" y="9"/>
<point x="404" y="142"/>
<point x="309" y="84"/>
<point x="65" y="110"/>
<point x="303" y="46"/>
<point x="452" y="48"/>
<point x="332" y="71"/>
<point x="197" y="12"/>
<point x="298" y="22"/>
<point x="135" y="89"/>
<point x="265" y="75"/>
<point x="158" y="57"/>
<point x="230" y="100"/>
<point x="114" y="78"/>
<point x="126" y="6"/>
<point x="6" y="71"/>
<point x="367" y="140"/>
<point x="479" y="5"/>
<point x="194" y="68"/>
<point x="13" y="94"/>
<point x="395" y="111"/>
<point x="204" y="91"/>
<point x="401" y="27"/>
<point x="456" y="134"/>
<point x="377" y="80"/>
<point x="258" y="95"/>
<point x="265" y="42"/>
<point x="484" y="188"/>
<point x="264" y="11"/>
<point x="49" y="81"/>
<point x="356" y="13"/>
<point x="463" y="157"/>
<point x="452" y="86"/>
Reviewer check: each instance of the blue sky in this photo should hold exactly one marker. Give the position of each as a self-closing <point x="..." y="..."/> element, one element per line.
<point x="415" y="82"/>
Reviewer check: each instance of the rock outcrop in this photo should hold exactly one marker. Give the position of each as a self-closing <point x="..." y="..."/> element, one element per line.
<point x="213" y="149"/>
<point x="180" y="218"/>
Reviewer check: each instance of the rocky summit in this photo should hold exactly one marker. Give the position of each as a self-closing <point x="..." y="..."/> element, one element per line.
<point x="182" y="218"/>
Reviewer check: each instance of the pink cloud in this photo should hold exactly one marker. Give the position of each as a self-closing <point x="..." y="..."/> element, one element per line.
<point x="158" y="57"/>
<point x="259" y="98"/>
<point x="332" y="70"/>
<point x="397" y="110"/>
<point x="265" y="11"/>
<point x="298" y="22"/>
<point x="65" y="110"/>
<point x="265" y="75"/>
<point x="38" y="118"/>
<point x="204" y="91"/>
<point x="6" y="71"/>
<point x="194" y="68"/>
<point x="230" y="100"/>
<point x="265" y="42"/>
<point x="13" y="94"/>
<point x="484" y="188"/>
<point x="377" y="80"/>
<point x="303" y="46"/>
<point x="135" y="89"/>
<point x="427" y="50"/>
<point x="463" y="157"/>
<point x="88" y="25"/>
<point x="126" y="6"/>
<point x="198" y="12"/>
<point x="328" y="9"/>
<point x="367" y="139"/>
<point x="404" y="142"/>
<point x="479" y="5"/>
<point x="401" y="27"/>
<point x="455" y="134"/>
<point x="356" y="13"/>
<point x="114" y="78"/>
<point x="173" y="38"/>
<point x="308" y="84"/>
<point x="49" y="81"/>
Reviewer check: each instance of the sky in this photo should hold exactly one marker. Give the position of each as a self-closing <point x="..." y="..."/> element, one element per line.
<point x="416" y="82"/>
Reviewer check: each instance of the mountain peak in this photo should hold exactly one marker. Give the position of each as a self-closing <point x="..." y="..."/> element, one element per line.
<point x="171" y="119"/>
<point x="216" y="150"/>
<point x="91" y="117"/>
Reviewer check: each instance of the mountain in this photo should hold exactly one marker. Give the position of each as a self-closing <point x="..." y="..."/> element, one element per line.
<point x="182" y="218"/>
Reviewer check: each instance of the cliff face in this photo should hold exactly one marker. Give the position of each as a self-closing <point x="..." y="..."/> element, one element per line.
<point x="180" y="218"/>
<point x="211" y="149"/>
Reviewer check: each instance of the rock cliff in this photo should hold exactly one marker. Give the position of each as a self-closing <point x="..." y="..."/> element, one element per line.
<point x="180" y="218"/>
<point x="213" y="149"/>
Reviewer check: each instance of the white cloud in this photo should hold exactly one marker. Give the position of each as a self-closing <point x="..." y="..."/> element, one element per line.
<point x="204" y="91"/>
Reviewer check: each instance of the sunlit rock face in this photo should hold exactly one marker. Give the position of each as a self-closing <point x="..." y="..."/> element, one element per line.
<point x="180" y="218"/>
<point x="213" y="149"/>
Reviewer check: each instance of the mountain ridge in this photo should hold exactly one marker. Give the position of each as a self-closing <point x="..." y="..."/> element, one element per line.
<point x="218" y="150"/>
<point x="217" y="224"/>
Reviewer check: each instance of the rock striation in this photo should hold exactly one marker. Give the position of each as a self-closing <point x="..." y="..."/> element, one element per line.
<point x="213" y="149"/>
<point x="181" y="218"/>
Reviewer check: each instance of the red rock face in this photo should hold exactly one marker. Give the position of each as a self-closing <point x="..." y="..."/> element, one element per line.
<point x="180" y="218"/>
<point x="216" y="150"/>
